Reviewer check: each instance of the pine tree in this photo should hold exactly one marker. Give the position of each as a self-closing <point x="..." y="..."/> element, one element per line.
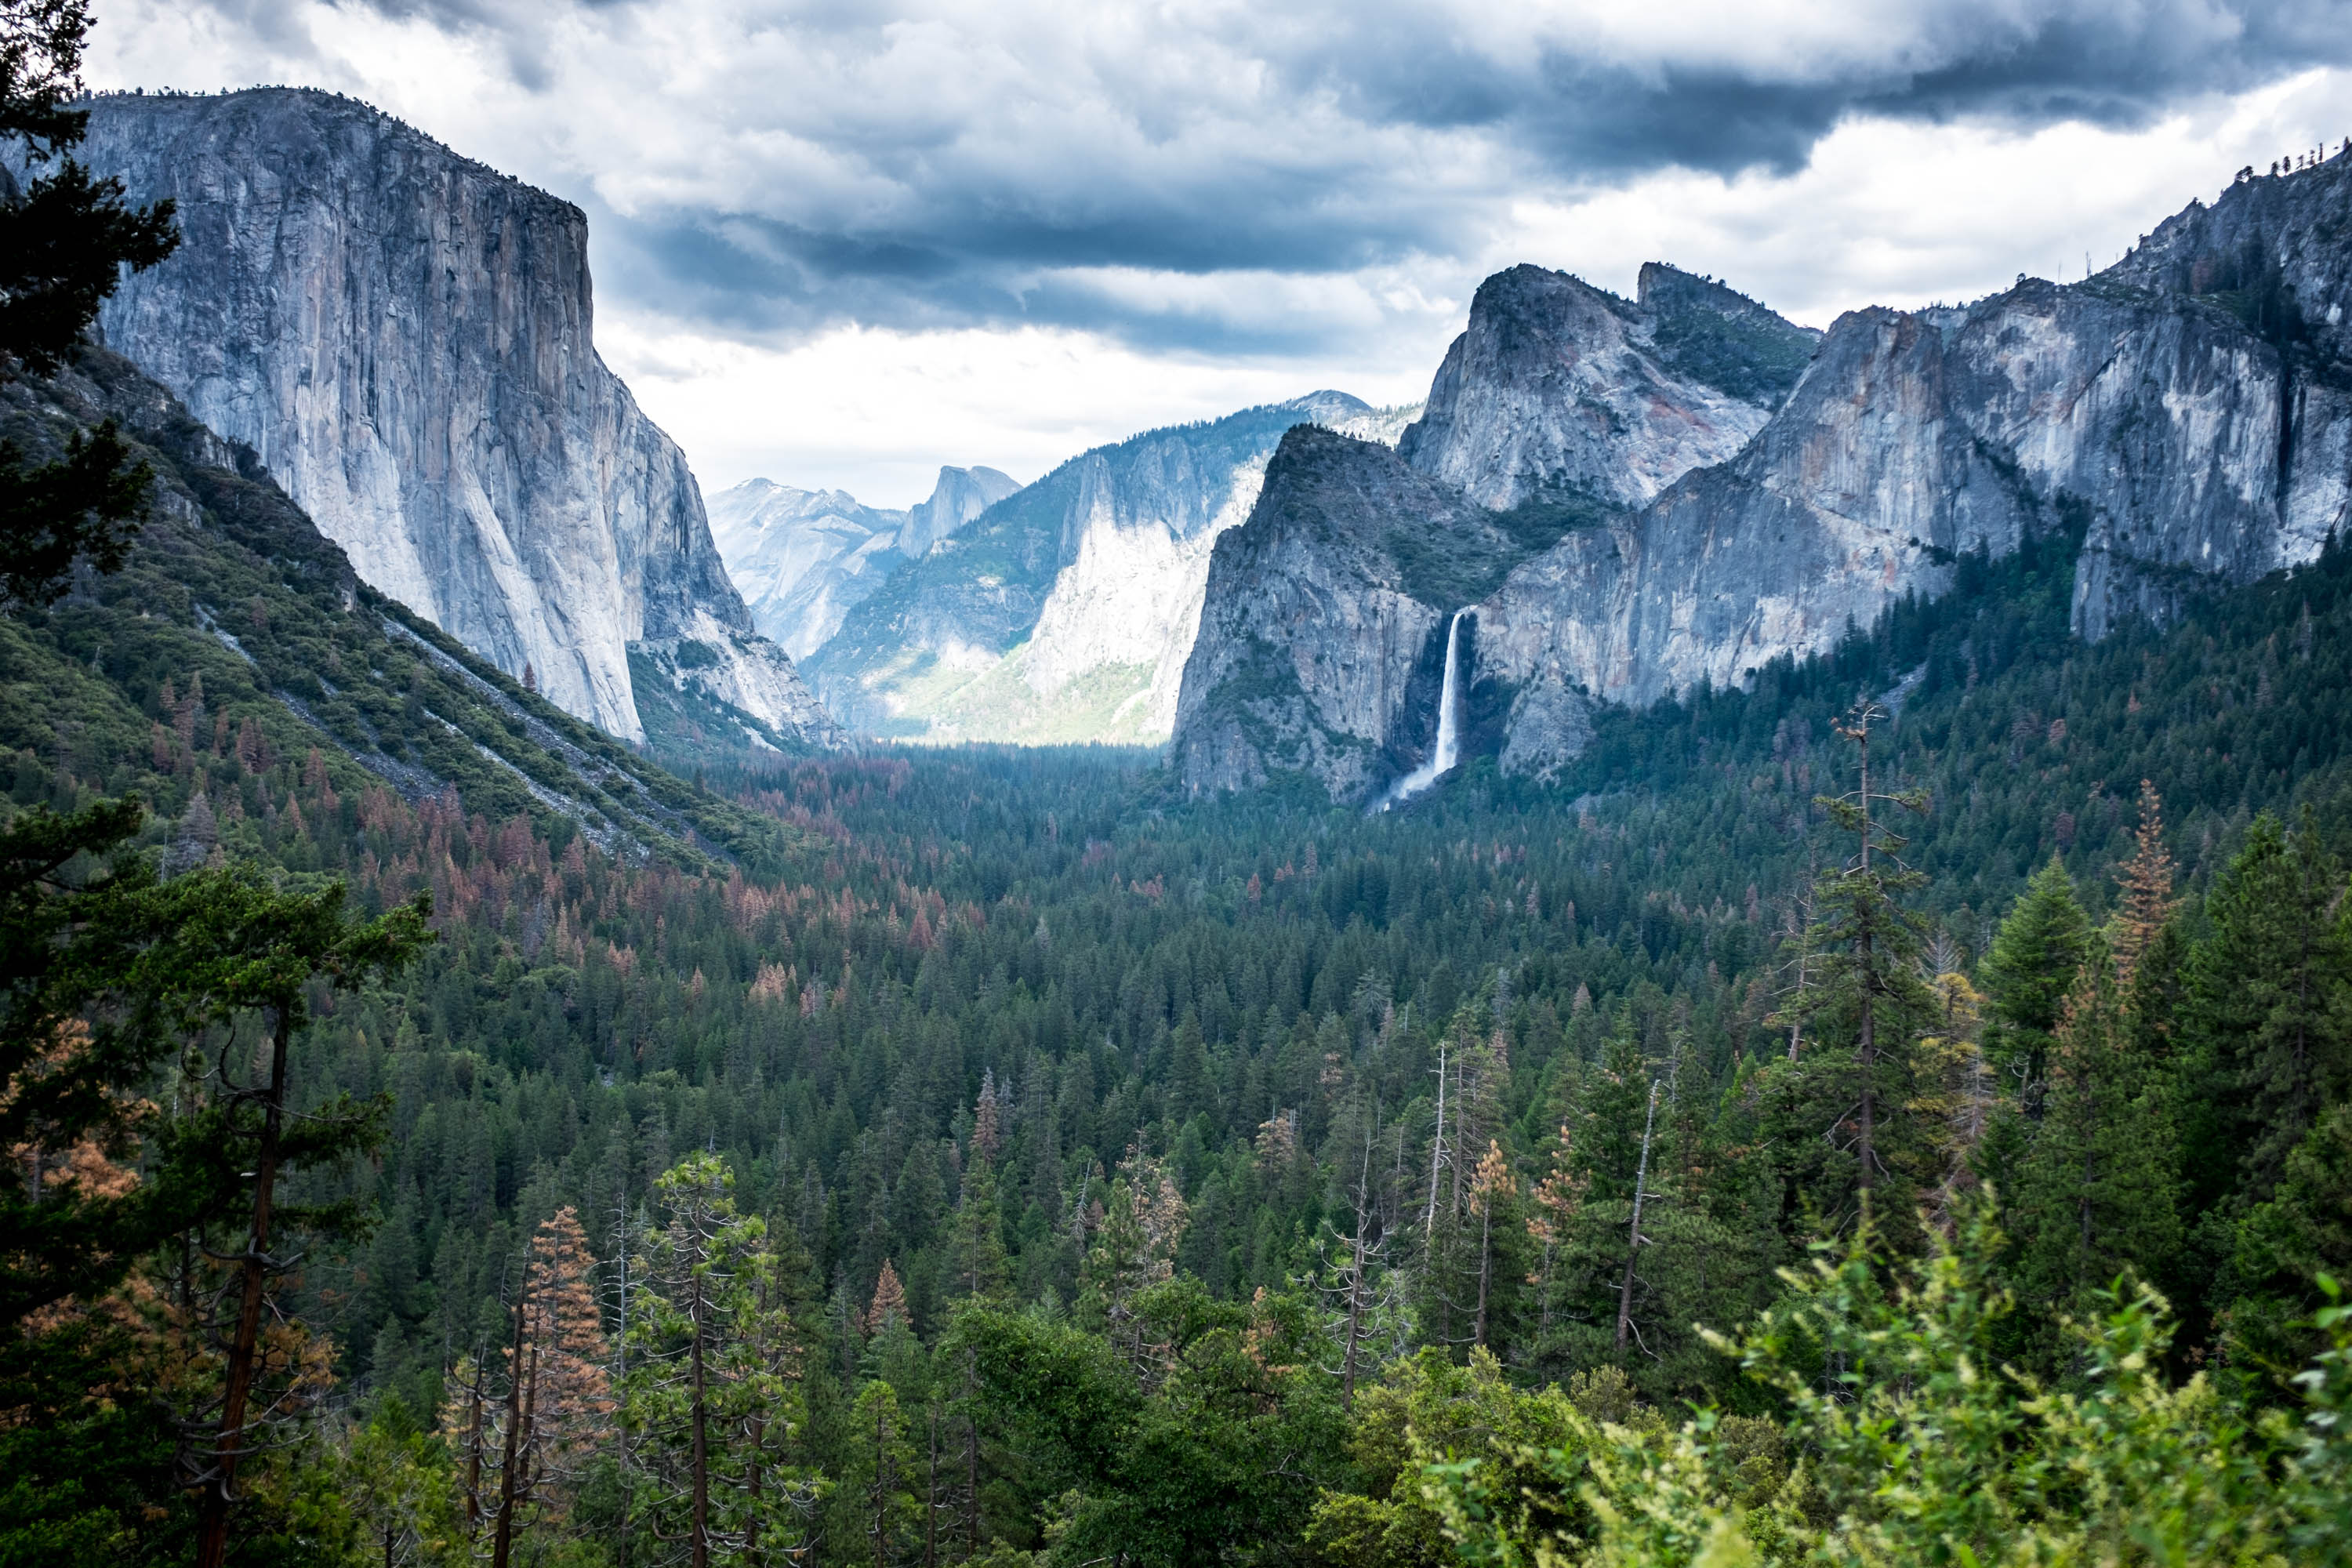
<point x="976" y="1234"/>
<point x="245" y="951"/>
<point x="1874" y="984"/>
<point x="1134" y="1249"/>
<point x="883" y="1477"/>
<point x="65" y="240"/>
<point x="888" y="1307"/>
<point x="2147" y="904"/>
<point x="521" y="1454"/>
<point x="708" y="1403"/>
<point x="1492" y="1188"/>
<point x="2096" y="1199"/>
<point x="2034" y="959"/>
<point x="2268" y="1011"/>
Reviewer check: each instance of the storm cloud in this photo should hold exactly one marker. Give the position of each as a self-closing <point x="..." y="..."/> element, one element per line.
<point x="784" y="169"/>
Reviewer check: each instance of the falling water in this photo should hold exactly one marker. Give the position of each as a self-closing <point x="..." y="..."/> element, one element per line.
<point x="1448" y="750"/>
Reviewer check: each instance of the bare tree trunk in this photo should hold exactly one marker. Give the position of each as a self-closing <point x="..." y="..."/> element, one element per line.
<point x="1356" y="1281"/>
<point x="474" y="1450"/>
<point x="1486" y="1267"/>
<point x="1633" y="1232"/>
<point x="519" y="1400"/>
<point x="1437" y="1149"/>
<point x="212" y="1532"/>
<point x="700" y="1535"/>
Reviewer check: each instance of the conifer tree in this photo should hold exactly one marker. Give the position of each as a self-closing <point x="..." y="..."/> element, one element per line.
<point x="708" y="1403"/>
<point x="884" y="1477"/>
<point x="2096" y="1199"/>
<point x="2032" y="968"/>
<point x="249" y="959"/>
<point x="2268" y="1011"/>
<point x="65" y="240"/>
<point x="521" y="1454"/>
<point x="1875" y="987"/>
<point x="2147" y="904"/>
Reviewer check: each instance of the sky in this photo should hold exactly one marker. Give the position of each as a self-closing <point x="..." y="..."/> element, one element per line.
<point x="839" y="243"/>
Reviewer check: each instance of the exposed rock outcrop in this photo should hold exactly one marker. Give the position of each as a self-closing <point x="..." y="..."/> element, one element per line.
<point x="1321" y="646"/>
<point x="2152" y="422"/>
<point x="960" y="497"/>
<point x="2189" y="413"/>
<point x="404" y="336"/>
<point x="1559" y="389"/>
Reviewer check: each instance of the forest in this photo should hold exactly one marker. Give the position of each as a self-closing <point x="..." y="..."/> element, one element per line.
<point x="1898" y="1111"/>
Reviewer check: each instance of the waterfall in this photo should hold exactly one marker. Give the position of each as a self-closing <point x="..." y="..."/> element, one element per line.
<point x="1448" y="750"/>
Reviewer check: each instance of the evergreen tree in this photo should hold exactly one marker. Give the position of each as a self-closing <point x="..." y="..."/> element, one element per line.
<point x="2268" y="1013"/>
<point x="2096" y="1197"/>
<point x="245" y="953"/>
<point x="64" y="238"/>
<point x="2028" y="973"/>
<point x="709" y="1402"/>
<point x="1874" y="985"/>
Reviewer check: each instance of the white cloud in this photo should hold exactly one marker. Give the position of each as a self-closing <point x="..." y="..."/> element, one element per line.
<point x="843" y="244"/>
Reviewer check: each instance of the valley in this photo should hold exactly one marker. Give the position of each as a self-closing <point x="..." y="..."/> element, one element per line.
<point x="1723" y="943"/>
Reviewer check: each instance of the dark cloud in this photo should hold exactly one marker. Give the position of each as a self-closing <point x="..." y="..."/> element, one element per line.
<point x="907" y="165"/>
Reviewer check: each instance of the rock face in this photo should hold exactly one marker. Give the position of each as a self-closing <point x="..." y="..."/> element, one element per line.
<point x="2177" y="439"/>
<point x="1064" y="611"/>
<point x="404" y="336"/>
<point x="2189" y="412"/>
<point x="960" y="495"/>
<point x="1321" y="646"/>
<point x="802" y="558"/>
<point x="1557" y="388"/>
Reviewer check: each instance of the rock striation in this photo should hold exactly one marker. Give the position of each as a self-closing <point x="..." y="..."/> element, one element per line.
<point x="404" y="337"/>
<point x="1557" y="388"/>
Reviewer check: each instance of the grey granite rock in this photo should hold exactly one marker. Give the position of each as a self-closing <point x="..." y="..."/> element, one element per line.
<point x="1321" y="645"/>
<point x="405" y="337"/>
<point x="1556" y="387"/>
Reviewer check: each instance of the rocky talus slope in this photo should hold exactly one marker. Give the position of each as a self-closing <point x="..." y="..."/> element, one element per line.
<point x="404" y="339"/>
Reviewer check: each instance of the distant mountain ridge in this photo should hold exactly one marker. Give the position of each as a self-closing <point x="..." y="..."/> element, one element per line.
<point x="1066" y="611"/>
<point x="802" y="558"/>
<point x="405" y="338"/>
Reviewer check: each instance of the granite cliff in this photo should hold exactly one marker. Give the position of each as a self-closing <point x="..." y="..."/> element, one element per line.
<point x="2188" y="413"/>
<point x="1321" y="646"/>
<point x="1557" y="389"/>
<point x="403" y="338"/>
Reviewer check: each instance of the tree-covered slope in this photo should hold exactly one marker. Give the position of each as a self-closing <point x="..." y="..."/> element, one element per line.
<point x="238" y="635"/>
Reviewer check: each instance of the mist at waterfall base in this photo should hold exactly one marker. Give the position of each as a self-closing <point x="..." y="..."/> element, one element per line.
<point x="1448" y="750"/>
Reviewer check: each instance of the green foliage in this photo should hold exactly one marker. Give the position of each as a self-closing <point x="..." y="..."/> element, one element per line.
<point x="2030" y="971"/>
<point x="1918" y="1446"/>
